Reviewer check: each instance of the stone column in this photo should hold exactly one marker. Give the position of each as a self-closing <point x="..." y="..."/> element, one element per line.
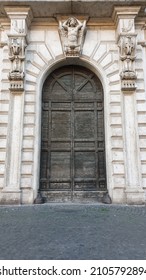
<point x="20" y="18"/>
<point x="126" y="39"/>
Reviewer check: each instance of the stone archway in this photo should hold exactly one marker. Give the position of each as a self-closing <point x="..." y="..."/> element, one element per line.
<point x="73" y="143"/>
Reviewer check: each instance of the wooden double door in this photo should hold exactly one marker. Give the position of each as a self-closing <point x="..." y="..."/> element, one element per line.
<point x="72" y="146"/>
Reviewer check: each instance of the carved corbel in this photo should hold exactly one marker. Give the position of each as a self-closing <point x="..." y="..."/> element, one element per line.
<point x="124" y="18"/>
<point x="20" y="20"/>
<point x="127" y="46"/>
<point x="17" y="45"/>
<point x="72" y="34"/>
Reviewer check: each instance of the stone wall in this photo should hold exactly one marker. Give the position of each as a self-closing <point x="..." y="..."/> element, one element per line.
<point x="20" y="112"/>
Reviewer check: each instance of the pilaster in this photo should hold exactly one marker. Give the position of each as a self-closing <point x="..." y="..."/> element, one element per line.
<point x="20" y="18"/>
<point x="126" y="39"/>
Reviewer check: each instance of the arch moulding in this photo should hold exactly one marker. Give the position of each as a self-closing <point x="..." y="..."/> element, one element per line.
<point x="44" y="73"/>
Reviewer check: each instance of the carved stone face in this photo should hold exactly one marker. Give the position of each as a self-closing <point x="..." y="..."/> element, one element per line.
<point x="72" y="22"/>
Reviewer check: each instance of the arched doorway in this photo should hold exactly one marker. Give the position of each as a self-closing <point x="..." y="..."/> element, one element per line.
<point x="72" y="145"/>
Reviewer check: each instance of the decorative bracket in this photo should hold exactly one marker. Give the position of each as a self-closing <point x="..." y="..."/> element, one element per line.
<point x="20" y="19"/>
<point x="127" y="46"/>
<point x="124" y="18"/>
<point x="17" y="45"/>
<point x="72" y="34"/>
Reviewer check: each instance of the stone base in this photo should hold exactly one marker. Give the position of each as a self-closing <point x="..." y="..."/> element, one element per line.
<point x="81" y="197"/>
<point x="135" y="196"/>
<point x="106" y="199"/>
<point x="10" y="197"/>
<point x="118" y="196"/>
<point x="27" y="196"/>
<point x="39" y="199"/>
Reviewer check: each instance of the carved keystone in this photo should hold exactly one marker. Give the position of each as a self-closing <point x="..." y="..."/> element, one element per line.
<point x="72" y="33"/>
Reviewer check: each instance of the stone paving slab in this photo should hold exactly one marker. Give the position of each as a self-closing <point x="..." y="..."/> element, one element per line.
<point x="73" y="231"/>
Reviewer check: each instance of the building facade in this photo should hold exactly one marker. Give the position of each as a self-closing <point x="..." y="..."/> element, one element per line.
<point x="72" y="101"/>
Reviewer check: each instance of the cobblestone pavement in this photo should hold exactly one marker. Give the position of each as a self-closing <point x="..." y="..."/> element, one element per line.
<point x="73" y="231"/>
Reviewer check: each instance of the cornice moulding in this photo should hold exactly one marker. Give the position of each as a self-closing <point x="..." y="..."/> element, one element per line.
<point x="125" y="13"/>
<point x="19" y="12"/>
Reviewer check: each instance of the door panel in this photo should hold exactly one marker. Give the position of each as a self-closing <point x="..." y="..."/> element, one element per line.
<point x="61" y="125"/>
<point x="84" y="125"/>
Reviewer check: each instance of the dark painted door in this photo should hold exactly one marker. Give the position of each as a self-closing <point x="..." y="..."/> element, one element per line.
<point x="72" y="147"/>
